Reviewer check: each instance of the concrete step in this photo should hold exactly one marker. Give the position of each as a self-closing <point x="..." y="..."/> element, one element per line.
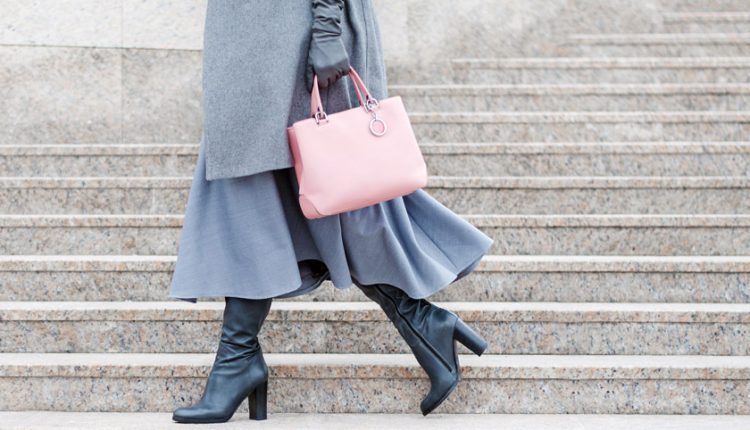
<point x="468" y="195"/>
<point x="659" y="235"/>
<point x="589" y="158"/>
<point x="707" y="22"/>
<point x="575" y="97"/>
<point x="98" y="159"/>
<point x="90" y="234"/>
<point x="602" y="70"/>
<point x="698" y="279"/>
<point x="356" y="327"/>
<point x="448" y="159"/>
<point x="580" y="126"/>
<point x="596" y="195"/>
<point x="38" y="420"/>
<point x="357" y="383"/>
<point x="513" y="234"/>
<point x="556" y="126"/>
<point x="658" y="44"/>
<point x="705" y="5"/>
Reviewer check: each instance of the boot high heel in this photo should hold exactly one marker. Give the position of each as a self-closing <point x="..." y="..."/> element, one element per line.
<point x="239" y="370"/>
<point x="257" y="401"/>
<point x="469" y="338"/>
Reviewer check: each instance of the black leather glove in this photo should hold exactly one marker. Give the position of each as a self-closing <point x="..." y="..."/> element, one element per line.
<point x="327" y="57"/>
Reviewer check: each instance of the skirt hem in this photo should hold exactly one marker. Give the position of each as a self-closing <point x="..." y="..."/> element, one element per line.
<point x="300" y="290"/>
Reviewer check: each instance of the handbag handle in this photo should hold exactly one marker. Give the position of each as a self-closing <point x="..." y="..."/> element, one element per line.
<point x="316" y="104"/>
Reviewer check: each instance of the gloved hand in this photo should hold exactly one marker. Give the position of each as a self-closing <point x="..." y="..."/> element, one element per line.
<point x="327" y="57"/>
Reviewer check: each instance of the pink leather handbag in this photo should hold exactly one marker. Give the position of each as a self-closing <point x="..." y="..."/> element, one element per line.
<point x="355" y="158"/>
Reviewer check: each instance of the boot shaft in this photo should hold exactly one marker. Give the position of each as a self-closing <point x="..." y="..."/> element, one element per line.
<point x="243" y="319"/>
<point x="426" y="328"/>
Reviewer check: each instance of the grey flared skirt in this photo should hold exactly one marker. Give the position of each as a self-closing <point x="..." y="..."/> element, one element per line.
<point x="246" y="237"/>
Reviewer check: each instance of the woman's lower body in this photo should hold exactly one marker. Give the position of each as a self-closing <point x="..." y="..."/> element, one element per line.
<point x="246" y="239"/>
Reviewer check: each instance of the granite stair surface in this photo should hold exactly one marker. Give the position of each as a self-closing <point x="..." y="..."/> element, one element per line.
<point x="470" y="195"/>
<point x="612" y="170"/>
<point x="574" y="97"/>
<point x="602" y="70"/>
<point x="361" y="327"/>
<point x="381" y="383"/>
<point x="710" y="22"/>
<point x="667" y="279"/>
<point x="513" y="234"/>
<point x="673" y="158"/>
<point x="159" y="421"/>
<point x="659" y="44"/>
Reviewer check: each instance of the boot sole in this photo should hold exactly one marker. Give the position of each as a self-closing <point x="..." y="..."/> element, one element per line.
<point x="211" y="421"/>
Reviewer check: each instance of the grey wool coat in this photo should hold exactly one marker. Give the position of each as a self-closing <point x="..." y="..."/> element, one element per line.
<point x="254" y="60"/>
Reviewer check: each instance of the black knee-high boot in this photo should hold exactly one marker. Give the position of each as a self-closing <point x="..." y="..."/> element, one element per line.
<point x="239" y="370"/>
<point x="431" y="333"/>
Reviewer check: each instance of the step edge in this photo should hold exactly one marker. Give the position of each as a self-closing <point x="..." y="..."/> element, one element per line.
<point x="329" y="312"/>
<point x="75" y="221"/>
<point x="489" y="263"/>
<point x="379" y="366"/>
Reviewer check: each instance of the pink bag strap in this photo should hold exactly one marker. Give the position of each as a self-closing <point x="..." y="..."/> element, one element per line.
<point x="316" y="104"/>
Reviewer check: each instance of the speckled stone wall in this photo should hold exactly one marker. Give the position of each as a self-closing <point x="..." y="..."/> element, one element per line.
<point x="129" y="71"/>
<point x="90" y="71"/>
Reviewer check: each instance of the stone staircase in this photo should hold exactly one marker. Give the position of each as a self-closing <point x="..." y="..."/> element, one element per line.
<point x="613" y="173"/>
